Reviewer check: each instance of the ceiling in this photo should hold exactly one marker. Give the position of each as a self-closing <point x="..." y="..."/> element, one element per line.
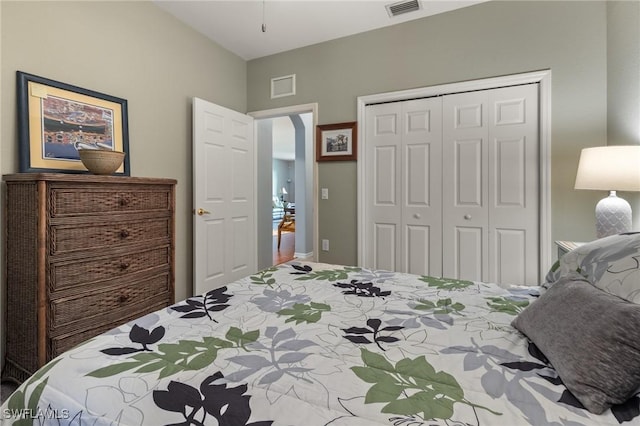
<point x="237" y="25"/>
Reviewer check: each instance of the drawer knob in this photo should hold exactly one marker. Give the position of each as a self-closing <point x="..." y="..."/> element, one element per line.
<point x="124" y="233"/>
<point x="123" y="298"/>
<point x="124" y="266"/>
<point x="124" y="202"/>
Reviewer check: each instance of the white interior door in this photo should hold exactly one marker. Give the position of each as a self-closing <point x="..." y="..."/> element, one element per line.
<point x="491" y="185"/>
<point x="514" y="185"/>
<point x="422" y="188"/>
<point x="383" y="186"/>
<point x="404" y="216"/>
<point x="224" y="237"/>
<point x="465" y="190"/>
<point x="452" y="185"/>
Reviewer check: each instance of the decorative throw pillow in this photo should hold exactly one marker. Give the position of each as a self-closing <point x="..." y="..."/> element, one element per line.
<point x="622" y="276"/>
<point x="611" y="264"/>
<point x="554" y="274"/>
<point x="591" y="338"/>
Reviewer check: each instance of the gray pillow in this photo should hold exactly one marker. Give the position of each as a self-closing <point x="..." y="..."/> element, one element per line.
<point x="611" y="264"/>
<point x="590" y="337"/>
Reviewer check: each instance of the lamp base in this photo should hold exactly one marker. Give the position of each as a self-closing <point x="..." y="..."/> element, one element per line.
<point x="613" y="216"/>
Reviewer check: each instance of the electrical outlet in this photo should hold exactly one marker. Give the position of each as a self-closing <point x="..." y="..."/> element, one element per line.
<point x="325" y="193"/>
<point x="325" y="245"/>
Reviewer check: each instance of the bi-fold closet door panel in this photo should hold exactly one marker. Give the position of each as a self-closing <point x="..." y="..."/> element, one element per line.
<point x="514" y="185"/>
<point x="490" y="185"/>
<point x="465" y="191"/>
<point x="403" y="186"/>
<point x="452" y="185"/>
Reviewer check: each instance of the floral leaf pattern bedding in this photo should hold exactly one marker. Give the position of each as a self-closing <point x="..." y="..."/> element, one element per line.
<point x="314" y="344"/>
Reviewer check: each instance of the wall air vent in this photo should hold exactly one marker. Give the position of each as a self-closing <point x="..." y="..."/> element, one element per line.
<point x="401" y="7"/>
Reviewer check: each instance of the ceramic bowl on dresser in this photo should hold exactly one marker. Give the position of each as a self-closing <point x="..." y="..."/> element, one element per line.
<point x="101" y="161"/>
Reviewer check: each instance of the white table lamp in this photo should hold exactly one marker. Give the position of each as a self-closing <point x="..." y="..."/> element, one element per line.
<point x="610" y="168"/>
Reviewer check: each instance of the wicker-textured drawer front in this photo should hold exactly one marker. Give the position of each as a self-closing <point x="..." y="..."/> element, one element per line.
<point x="75" y="201"/>
<point x="59" y="344"/>
<point x="84" y="254"/>
<point x="63" y="275"/>
<point x="82" y="237"/>
<point x="107" y="305"/>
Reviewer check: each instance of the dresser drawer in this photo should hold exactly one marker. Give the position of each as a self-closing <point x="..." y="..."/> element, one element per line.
<point x="108" y="199"/>
<point x="62" y="343"/>
<point x="107" y="305"/>
<point x="64" y="275"/>
<point x="80" y="237"/>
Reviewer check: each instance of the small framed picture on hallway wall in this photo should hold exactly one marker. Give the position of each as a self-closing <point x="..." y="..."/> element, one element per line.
<point x="337" y="142"/>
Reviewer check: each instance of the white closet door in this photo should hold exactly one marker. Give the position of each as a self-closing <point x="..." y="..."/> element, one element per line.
<point x="422" y="188"/>
<point x="465" y="189"/>
<point x="490" y="185"/>
<point x="403" y="212"/>
<point x="514" y="188"/>
<point x="452" y="186"/>
<point x="383" y="186"/>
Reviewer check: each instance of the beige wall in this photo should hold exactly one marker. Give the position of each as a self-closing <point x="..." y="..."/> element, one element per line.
<point x="132" y="50"/>
<point x="623" y="82"/>
<point x="484" y="40"/>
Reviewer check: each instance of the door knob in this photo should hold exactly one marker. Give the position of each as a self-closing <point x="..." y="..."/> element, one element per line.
<point x="202" y="211"/>
<point x="417" y="215"/>
<point x="467" y="217"/>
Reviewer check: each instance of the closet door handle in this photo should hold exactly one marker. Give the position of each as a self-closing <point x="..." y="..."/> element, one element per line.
<point x="417" y="215"/>
<point x="467" y="217"/>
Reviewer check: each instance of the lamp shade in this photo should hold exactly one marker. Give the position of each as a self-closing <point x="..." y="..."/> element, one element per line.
<point x="609" y="168"/>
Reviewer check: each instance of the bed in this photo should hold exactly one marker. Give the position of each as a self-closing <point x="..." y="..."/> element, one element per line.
<point x="317" y="344"/>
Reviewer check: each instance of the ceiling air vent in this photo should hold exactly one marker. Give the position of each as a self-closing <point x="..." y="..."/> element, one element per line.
<point x="401" y="7"/>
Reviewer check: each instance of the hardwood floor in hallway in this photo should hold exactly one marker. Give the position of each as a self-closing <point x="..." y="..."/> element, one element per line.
<point x="287" y="245"/>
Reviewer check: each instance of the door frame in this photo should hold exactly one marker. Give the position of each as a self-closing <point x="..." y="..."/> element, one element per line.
<point x="543" y="78"/>
<point x="285" y="111"/>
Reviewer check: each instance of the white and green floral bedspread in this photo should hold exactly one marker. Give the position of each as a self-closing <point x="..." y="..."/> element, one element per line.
<point x="313" y="344"/>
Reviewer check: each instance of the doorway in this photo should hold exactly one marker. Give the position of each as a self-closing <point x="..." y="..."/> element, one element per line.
<point x="283" y="184"/>
<point x="286" y="176"/>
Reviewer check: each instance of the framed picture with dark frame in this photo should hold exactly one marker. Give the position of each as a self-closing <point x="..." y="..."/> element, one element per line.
<point x="56" y="119"/>
<point x="337" y="142"/>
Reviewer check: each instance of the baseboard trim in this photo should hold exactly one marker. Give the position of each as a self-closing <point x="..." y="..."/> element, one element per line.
<point x="303" y="256"/>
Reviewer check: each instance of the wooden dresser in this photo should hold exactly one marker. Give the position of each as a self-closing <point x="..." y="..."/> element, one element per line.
<point x="84" y="254"/>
